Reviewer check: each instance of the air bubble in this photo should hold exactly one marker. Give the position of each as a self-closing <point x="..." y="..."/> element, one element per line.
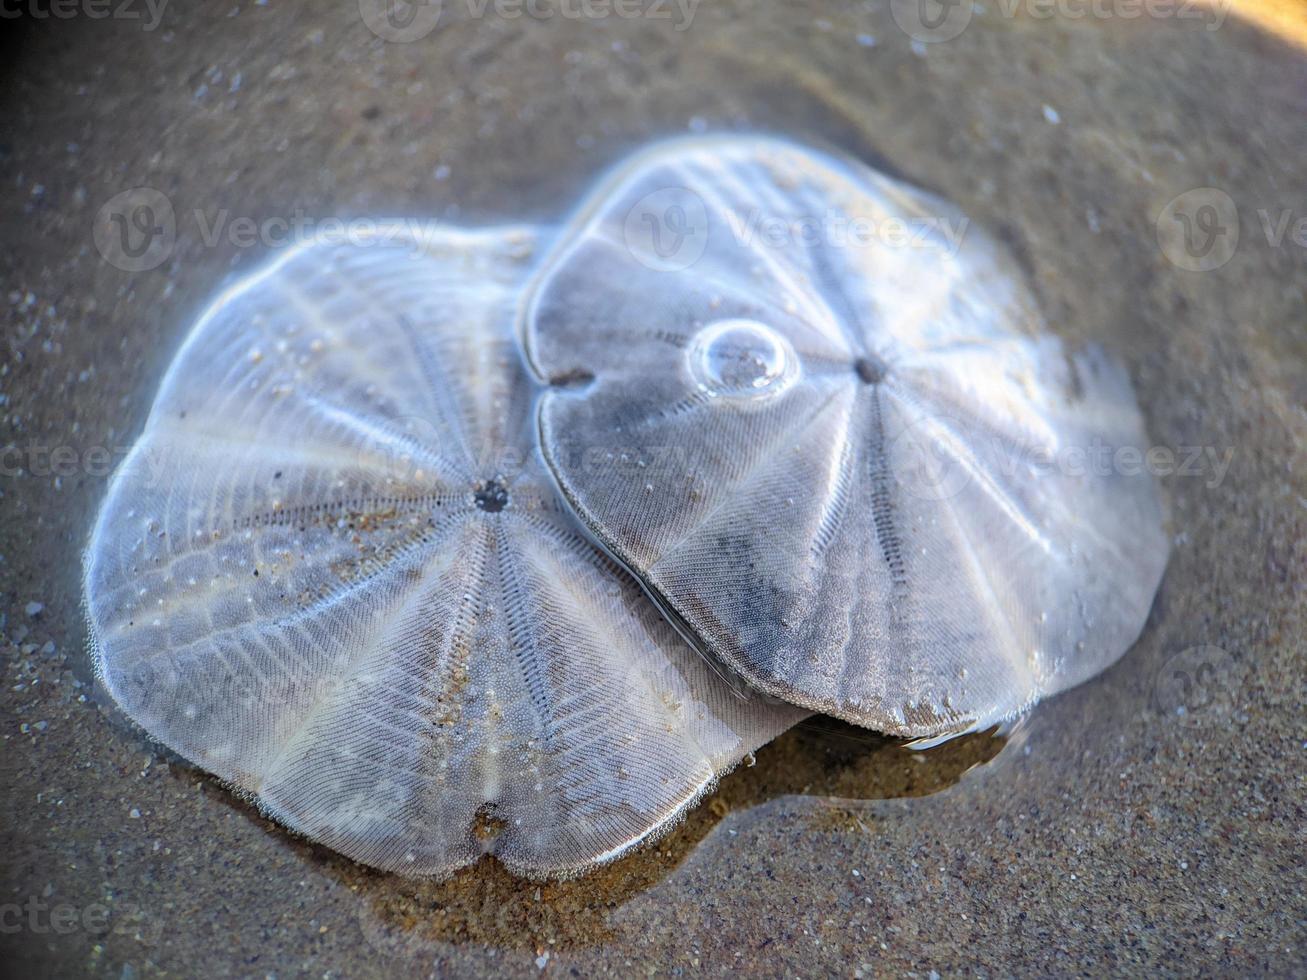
<point x="741" y="358"/>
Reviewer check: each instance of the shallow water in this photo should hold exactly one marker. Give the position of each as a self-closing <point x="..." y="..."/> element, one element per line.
<point x="1150" y="819"/>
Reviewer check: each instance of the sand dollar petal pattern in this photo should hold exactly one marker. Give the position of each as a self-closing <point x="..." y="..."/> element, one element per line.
<point x="334" y="572"/>
<point x="817" y="413"/>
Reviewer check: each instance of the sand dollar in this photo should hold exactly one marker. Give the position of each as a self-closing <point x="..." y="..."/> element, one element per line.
<point x="334" y="572"/>
<point x="887" y="491"/>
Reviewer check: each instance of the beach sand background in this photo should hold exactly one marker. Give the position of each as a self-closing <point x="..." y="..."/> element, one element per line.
<point x="1151" y="820"/>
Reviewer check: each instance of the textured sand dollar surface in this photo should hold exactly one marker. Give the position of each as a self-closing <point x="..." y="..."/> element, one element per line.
<point x="818" y="414"/>
<point x="334" y="573"/>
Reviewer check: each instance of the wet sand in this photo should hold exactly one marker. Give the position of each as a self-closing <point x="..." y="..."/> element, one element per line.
<point x="1150" y="820"/>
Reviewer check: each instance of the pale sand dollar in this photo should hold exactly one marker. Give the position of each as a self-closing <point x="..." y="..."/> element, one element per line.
<point x="334" y="573"/>
<point x="865" y="474"/>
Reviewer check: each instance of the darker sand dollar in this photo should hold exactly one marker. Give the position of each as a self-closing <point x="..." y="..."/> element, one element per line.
<point x="333" y="572"/>
<point x="836" y="441"/>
